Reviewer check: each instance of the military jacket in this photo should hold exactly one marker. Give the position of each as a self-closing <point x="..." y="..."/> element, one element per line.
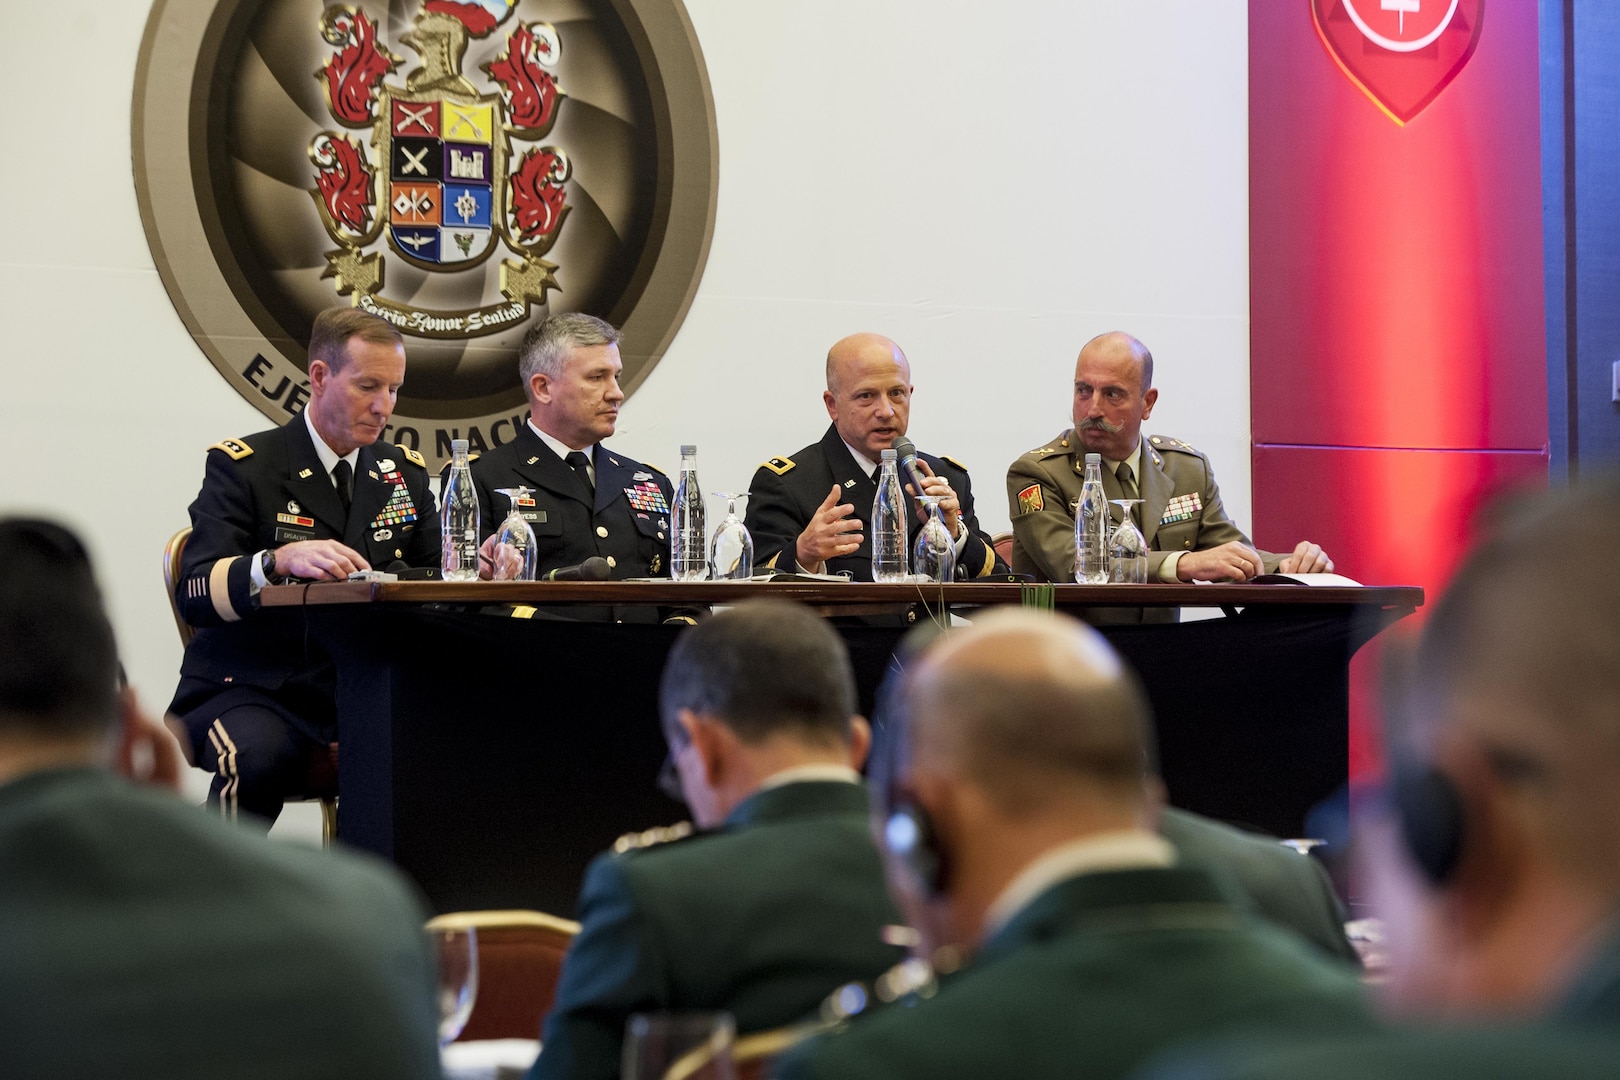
<point x="1181" y="505"/>
<point x="144" y="940"/>
<point x="1091" y="980"/>
<point x="260" y="492"/>
<point x="762" y="918"/>
<point x="785" y="492"/>
<point x="625" y="520"/>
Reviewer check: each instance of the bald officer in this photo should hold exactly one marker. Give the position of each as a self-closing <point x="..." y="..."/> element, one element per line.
<point x="1187" y="529"/>
<point x="812" y="511"/>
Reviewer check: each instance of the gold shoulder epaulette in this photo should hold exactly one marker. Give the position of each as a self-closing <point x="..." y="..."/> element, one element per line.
<point x="415" y="458"/>
<point x="953" y="461"/>
<point x="663" y="834"/>
<point x="780" y="465"/>
<point x="235" y="449"/>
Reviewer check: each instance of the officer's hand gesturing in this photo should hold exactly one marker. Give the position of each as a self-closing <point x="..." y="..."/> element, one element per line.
<point x="1229" y="562"/>
<point x="832" y="532"/>
<point x="318" y="560"/>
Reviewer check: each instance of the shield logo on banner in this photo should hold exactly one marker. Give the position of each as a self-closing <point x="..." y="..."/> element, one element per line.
<point x="1401" y="53"/>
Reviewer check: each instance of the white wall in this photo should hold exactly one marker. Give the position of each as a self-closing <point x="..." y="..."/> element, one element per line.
<point x="988" y="185"/>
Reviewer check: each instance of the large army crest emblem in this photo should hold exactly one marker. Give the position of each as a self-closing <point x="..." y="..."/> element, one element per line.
<point x="434" y="178"/>
<point x="461" y="168"/>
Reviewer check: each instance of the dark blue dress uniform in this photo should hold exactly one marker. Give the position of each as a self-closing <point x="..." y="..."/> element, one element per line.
<point x="255" y="692"/>
<point x="785" y="493"/>
<point x="625" y="520"/>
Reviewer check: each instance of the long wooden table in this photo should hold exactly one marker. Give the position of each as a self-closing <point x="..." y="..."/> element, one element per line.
<point x="490" y="744"/>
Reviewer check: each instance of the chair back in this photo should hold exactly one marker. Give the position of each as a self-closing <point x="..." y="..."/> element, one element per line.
<point x="520" y="955"/>
<point x="173" y="551"/>
<point x="1003" y="543"/>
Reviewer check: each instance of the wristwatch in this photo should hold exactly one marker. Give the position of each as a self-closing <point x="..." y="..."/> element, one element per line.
<point x="267" y="564"/>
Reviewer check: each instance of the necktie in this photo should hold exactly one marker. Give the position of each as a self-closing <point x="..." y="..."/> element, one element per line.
<point x="581" y="465"/>
<point x="1127" y="489"/>
<point x="343" y="473"/>
<point x="1127" y="481"/>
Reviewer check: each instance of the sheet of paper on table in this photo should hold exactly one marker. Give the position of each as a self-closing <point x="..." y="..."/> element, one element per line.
<point x="1306" y="579"/>
<point x="489" y="1059"/>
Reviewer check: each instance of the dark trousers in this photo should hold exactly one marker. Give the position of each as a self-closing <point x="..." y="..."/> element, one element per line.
<point x="257" y="758"/>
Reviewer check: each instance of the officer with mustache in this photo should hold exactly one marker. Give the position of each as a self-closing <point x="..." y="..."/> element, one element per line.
<point x="1189" y="535"/>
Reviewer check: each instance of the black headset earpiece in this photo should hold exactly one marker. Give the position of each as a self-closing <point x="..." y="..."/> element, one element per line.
<point x="908" y="833"/>
<point x="1433" y="826"/>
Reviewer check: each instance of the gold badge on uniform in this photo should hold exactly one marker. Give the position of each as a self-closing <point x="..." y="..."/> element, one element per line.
<point x="1029" y="500"/>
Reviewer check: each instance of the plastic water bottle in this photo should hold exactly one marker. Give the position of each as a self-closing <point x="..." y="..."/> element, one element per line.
<point x="889" y="530"/>
<point x="689" y="546"/>
<point x="1091" y="527"/>
<point x="458" y="519"/>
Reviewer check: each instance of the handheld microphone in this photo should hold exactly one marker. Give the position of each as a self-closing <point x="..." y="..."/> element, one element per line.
<point x="906" y="452"/>
<point x="594" y="568"/>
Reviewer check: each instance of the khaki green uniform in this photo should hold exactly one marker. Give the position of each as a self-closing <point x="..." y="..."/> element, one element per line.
<point x="1043" y="487"/>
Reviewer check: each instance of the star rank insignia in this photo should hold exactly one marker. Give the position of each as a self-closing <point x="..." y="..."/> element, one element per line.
<point x="1182" y="508"/>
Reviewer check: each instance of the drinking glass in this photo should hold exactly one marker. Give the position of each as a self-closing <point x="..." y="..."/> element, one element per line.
<point x="934" y="557"/>
<point x="457" y="954"/>
<point x="679" y="1046"/>
<point x="731" y="551"/>
<point x="1127" y="548"/>
<point x="515" y="549"/>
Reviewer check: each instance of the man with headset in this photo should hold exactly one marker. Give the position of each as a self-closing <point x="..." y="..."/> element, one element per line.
<point x="779" y="898"/>
<point x="1493" y="857"/>
<point x="1016" y="814"/>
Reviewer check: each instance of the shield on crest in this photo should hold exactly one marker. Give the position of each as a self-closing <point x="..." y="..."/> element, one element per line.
<point x="445" y="154"/>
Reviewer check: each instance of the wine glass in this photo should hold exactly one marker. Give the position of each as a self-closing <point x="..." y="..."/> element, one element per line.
<point x="934" y="557"/>
<point x="456" y="952"/>
<point x="515" y="548"/>
<point x="679" y="1046"/>
<point x="1127" y="548"/>
<point x="731" y="551"/>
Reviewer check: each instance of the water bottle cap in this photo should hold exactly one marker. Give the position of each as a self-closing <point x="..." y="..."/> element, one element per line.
<point x="458" y="446"/>
<point x="888" y="455"/>
<point x="1093" y="459"/>
<point x="688" y="449"/>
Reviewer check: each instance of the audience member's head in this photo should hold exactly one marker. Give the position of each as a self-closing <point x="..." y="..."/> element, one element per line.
<point x="1495" y="866"/>
<point x="58" y="662"/>
<point x="756" y="689"/>
<point x="1013" y="736"/>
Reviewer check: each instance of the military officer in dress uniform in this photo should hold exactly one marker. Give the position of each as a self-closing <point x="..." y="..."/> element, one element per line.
<point x="1188" y="532"/>
<point x="587" y="500"/>
<point x="779" y="897"/>
<point x="812" y="511"/>
<point x="316" y="499"/>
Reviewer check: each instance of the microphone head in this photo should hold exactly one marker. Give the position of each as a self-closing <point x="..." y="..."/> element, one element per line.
<point x="904" y="449"/>
<point x="594" y="568"/>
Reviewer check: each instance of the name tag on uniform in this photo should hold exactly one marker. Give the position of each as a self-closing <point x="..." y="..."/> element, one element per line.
<point x="535" y="516"/>
<point x="285" y="535"/>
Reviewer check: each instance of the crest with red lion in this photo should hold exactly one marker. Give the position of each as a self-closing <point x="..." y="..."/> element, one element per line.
<point x="441" y="173"/>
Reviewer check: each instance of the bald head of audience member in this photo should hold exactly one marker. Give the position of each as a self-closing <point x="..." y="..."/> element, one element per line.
<point x="868" y="394"/>
<point x="1507" y="718"/>
<point x="1019" y="734"/>
<point x="752" y="692"/>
